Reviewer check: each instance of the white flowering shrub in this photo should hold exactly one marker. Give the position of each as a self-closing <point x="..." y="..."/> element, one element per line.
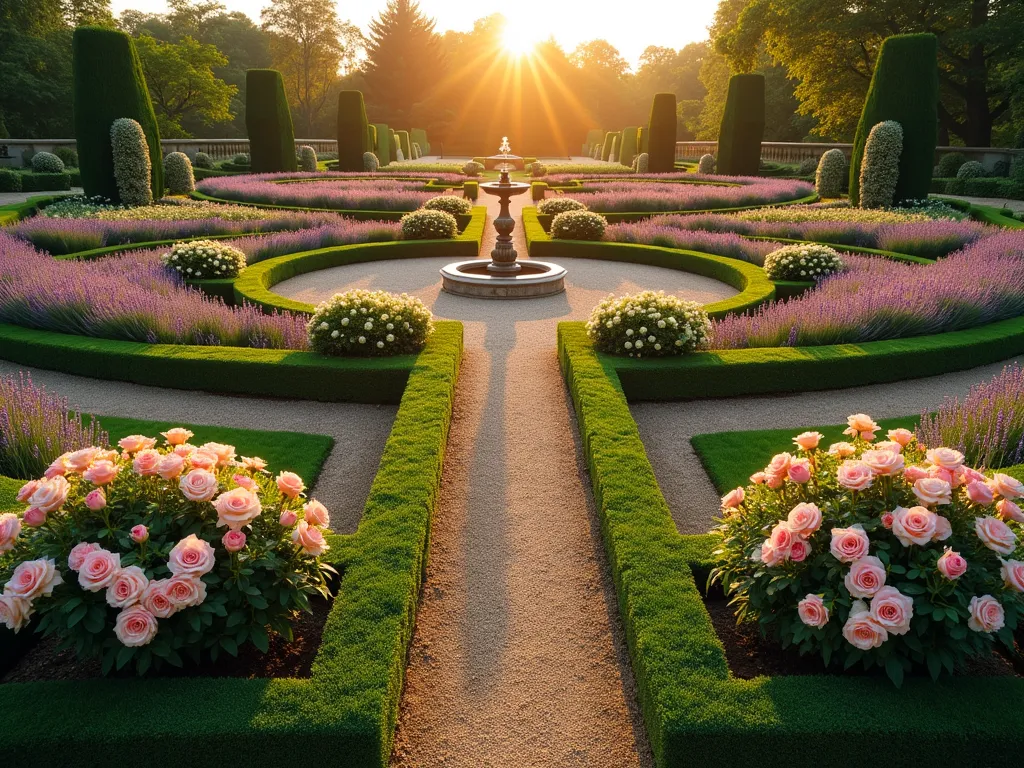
<point x="972" y="169"/>
<point x="472" y="168"/>
<point x="429" y="225"/>
<point x="880" y="169"/>
<point x="456" y="206"/>
<point x="578" y="225"/>
<point x="642" y="162"/>
<point x="648" y="324"/>
<point x="131" y="162"/>
<point x="370" y="323"/>
<point x="807" y="166"/>
<point x="178" y="174"/>
<point x="203" y="160"/>
<point x="307" y="159"/>
<point x="46" y="162"/>
<point x="370" y="162"/>
<point x="706" y="164"/>
<point x="553" y="206"/>
<point x="204" y="260"/>
<point x="830" y="177"/>
<point x="803" y="262"/>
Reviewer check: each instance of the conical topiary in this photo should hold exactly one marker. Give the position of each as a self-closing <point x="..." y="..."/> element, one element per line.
<point x="661" y="140"/>
<point x="739" y="139"/>
<point x="269" y="122"/>
<point x="353" y="131"/>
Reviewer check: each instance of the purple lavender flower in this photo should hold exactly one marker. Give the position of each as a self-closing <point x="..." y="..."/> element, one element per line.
<point x="653" y="232"/>
<point x="628" y="196"/>
<point x="334" y="191"/>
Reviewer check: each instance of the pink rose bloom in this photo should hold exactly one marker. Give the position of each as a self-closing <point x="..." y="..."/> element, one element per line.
<point x="33" y="578"/>
<point x="943" y="530"/>
<point x="290" y="484"/>
<point x="779" y="464"/>
<point x="995" y="534"/>
<point x="781" y="538"/>
<point x="110" y="455"/>
<point x="79" y="461"/>
<point x="15" y="612"/>
<point x="1007" y="510"/>
<point x="50" y="494"/>
<point x="987" y="614"/>
<point x="979" y="493"/>
<point x="171" y="466"/>
<point x="812" y="611"/>
<point x="288" y="518"/>
<point x="184" y="450"/>
<point x="892" y="610"/>
<point x="1013" y="575"/>
<point x="914" y="526"/>
<point x="932" y="490"/>
<point x="902" y="436"/>
<point x="191" y="556"/>
<point x="139" y="534"/>
<point x="800" y="470"/>
<point x="799" y="549"/>
<point x="135" y="627"/>
<point x="804" y="519"/>
<point x="865" y="577"/>
<point x="855" y="475"/>
<point x="225" y="453"/>
<point x="254" y="463"/>
<point x="233" y="541"/>
<point x="970" y="475"/>
<point x="769" y="555"/>
<point x="26" y="491"/>
<point x="10" y="528"/>
<point x="201" y="459"/>
<point x="849" y="544"/>
<point x="95" y="499"/>
<point x="842" y="450"/>
<point x="136" y="443"/>
<point x="99" y="569"/>
<point x="861" y="425"/>
<point x="177" y="436"/>
<point x="951" y="564"/>
<point x="34" y="517"/>
<point x="244" y="481"/>
<point x="316" y="513"/>
<point x="946" y="458"/>
<point x="808" y="441"/>
<point x="945" y="475"/>
<point x="773" y="480"/>
<point x="155" y="599"/>
<point x="862" y="631"/>
<point x="889" y="445"/>
<point x="57" y="468"/>
<point x="758" y="478"/>
<point x="883" y="463"/>
<point x="1006" y="486"/>
<point x="887" y="520"/>
<point x="733" y="498"/>
<point x="309" y="538"/>
<point x="77" y="556"/>
<point x="199" y="485"/>
<point x="127" y="587"/>
<point x="101" y="472"/>
<point x="913" y="474"/>
<point x="185" y="591"/>
<point x="237" y="508"/>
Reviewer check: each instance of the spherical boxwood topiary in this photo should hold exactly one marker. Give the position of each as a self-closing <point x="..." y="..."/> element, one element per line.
<point x="803" y="262"/>
<point x="204" y="260"/>
<point x="642" y="162"/>
<point x="68" y="156"/>
<point x="538" y="169"/>
<point x="429" y="225"/>
<point x="178" y="174"/>
<point x="972" y="169"/>
<point x="203" y="160"/>
<point x="706" y="164"/>
<point x="831" y="174"/>
<point x="648" y="324"/>
<point x="950" y="164"/>
<point x="556" y="205"/>
<point x="132" y="165"/>
<point x="307" y="159"/>
<point x="880" y="170"/>
<point x="242" y="158"/>
<point x="454" y="205"/>
<point x="808" y="166"/>
<point x="473" y="168"/>
<point x="46" y="162"/>
<point x="370" y="323"/>
<point x="370" y="162"/>
<point x="578" y="225"/>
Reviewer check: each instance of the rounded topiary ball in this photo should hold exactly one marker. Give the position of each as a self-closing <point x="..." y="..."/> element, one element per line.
<point x="972" y="169"/>
<point x="203" y="160"/>
<point x="648" y="324"/>
<point x="46" y="162"/>
<point x="473" y="168"/>
<point x="429" y="225"/>
<point x="553" y="206"/>
<point x="803" y="262"/>
<point x="578" y="225"/>
<point x="706" y="165"/>
<point x="204" y="260"/>
<point x="307" y="159"/>
<point x="456" y="206"/>
<point x="370" y="324"/>
<point x="370" y="162"/>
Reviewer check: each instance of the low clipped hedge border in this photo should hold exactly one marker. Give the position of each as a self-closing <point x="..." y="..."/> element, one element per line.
<point x="349" y="706"/>
<point x="15" y="212"/>
<point x="696" y="713"/>
<point x="618" y="217"/>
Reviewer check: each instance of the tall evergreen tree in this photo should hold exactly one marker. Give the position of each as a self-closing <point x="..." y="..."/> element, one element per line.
<point x="405" y="61"/>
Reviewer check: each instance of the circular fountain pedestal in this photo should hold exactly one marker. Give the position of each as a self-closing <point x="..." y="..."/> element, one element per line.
<point x="475" y="278"/>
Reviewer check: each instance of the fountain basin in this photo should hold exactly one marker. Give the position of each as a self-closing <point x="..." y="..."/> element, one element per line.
<point x="473" y="278"/>
<point x="511" y="189"/>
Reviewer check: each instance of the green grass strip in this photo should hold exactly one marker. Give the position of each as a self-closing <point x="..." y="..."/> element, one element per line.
<point x="12" y="213"/>
<point x="9" y="488"/>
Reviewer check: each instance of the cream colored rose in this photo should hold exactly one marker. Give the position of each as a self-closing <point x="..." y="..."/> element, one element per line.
<point x="804" y="519"/>
<point x="855" y="475"/>
<point x="147" y="462"/>
<point x="237" y="508"/>
<point x="902" y="436"/>
<point x="79" y="461"/>
<point x="185" y="591"/>
<point x="15" y="612"/>
<point x="34" y="578"/>
<point x="861" y="425"/>
<point x="254" y="463"/>
<point x="127" y="587"/>
<point x="10" y="528"/>
<point x="1013" y="575"/>
<point x="316" y="514"/>
<point x="310" y="538"/>
<point x="135" y="626"/>
<point x="199" y="485"/>
<point x="225" y="453"/>
<point x="914" y="526"/>
<point x="290" y="485"/>
<point x="50" y="494"/>
<point x="808" y="441"/>
<point x="135" y="443"/>
<point x="101" y="472"/>
<point x="995" y="534"/>
<point x="77" y="556"/>
<point x="987" y="614"/>
<point x="177" y="436"/>
<point x="99" y="569"/>
<point x="946" y="458"/>
<point x="171" y="466"/>
<point x="862" y="631"/>
<point x="883" y="463"/>
<point x="932" y="490"/>
<point x="842" y="450"/>
<point x="1006" y="486"/>
<point x="191" y="556"/>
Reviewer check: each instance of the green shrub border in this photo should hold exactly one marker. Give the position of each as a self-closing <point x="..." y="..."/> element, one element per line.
<point x="624" y="216"/>
<point x="696" y="713"/>
<point x="349" y="706"/>
<point x="15" y="212"/>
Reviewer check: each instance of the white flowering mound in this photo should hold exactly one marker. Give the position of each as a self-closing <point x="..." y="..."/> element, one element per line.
<point x="472" y="168"/>
<point x="578" y="225"/>
<point x="429" y="225"/>
<point x="880" y="169"/>
<point x="178" y="174"/>
<point x="307" y="159"/>
<point x="370" y="162"/>
<point x="456" y="206"/>
<point x="204" y="260"/>
<point x="370" y="324"/>
<point x="803" y="262"/>
<point x="831" y="174"/>
<point x="132" y="166"/>
<point x="972" y="169"/>
<point x="556" y="205"/>
<point x="642" y="162"/>
<point x="648" y="324"/>
<point x="706" y="165"/>
<point x="47" y="162"/>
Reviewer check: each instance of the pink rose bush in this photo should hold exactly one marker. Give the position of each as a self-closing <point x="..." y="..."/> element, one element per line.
<point x="886" y="553"/>
<point x="161" y="551"/>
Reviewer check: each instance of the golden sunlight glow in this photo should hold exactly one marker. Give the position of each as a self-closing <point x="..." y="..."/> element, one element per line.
<point x="519" y="38"/>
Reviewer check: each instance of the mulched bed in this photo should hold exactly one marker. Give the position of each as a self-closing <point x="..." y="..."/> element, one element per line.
<point x="43" y="662"/>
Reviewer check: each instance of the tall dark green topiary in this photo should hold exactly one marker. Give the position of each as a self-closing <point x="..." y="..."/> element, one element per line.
<point x="606" y="150"/>
<point x="661" y="140"/>
<point x="384" y="144"/>
<point x="269" y="122"/>
<point x="904" y="88"/>
<point x="371" y="133"/>
<point x="403" y="141"/>
<point x="419" y="136"/>
<point x="353" y="131"/>
<point x="628" y="147"/>
<point x="109" y="84"/>
<point x="739" y="138"/>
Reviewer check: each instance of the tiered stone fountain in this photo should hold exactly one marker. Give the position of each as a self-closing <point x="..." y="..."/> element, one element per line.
<point x="503" y="277"/>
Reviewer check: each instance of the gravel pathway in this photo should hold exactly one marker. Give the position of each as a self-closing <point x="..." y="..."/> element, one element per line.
<point x="666" y="428"/>
<point x="518" y="657"/>
<point x="359" y="431"/>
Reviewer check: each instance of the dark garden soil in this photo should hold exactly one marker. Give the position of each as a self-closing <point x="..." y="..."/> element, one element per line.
<point x="43" y="662"/>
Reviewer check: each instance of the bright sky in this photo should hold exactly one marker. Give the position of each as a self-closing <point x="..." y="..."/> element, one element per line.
<point x="629" y="27"/>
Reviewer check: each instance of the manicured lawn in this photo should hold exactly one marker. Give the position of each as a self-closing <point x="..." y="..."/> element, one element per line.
<point x="8" y="489"/>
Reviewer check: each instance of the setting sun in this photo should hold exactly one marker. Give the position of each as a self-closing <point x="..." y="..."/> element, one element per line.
<point x="519" y="39"/>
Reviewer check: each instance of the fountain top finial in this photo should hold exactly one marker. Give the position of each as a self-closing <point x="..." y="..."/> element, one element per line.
<point x="505" y="148"/>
